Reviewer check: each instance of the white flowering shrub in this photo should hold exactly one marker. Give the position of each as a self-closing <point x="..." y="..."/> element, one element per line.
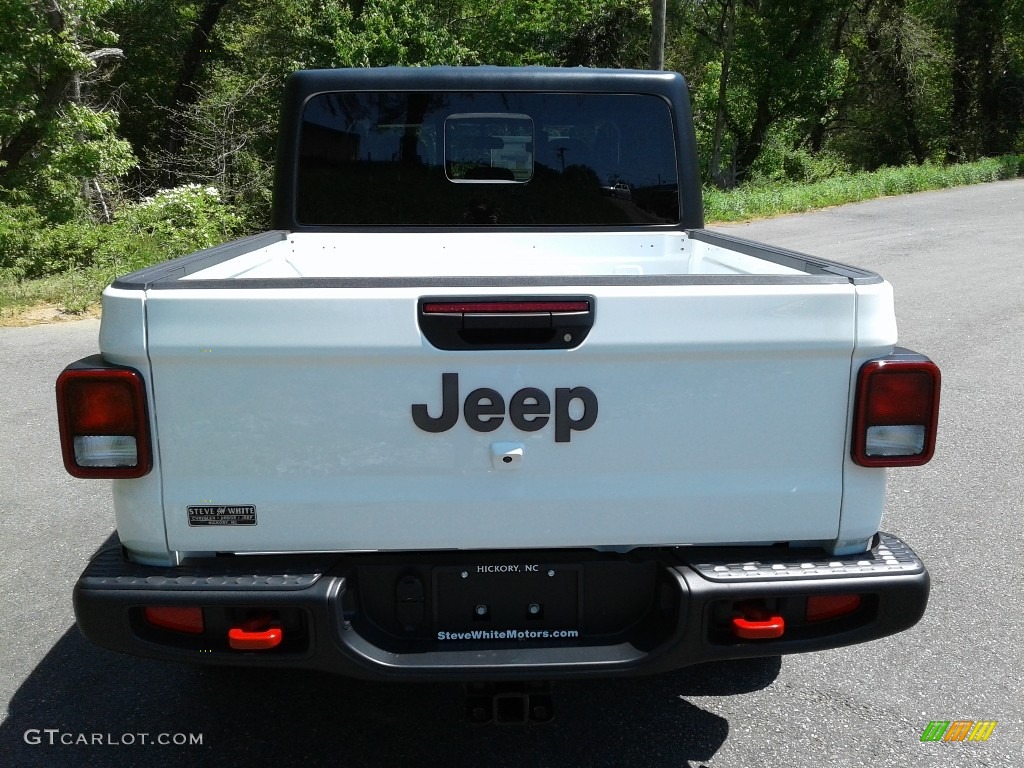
<point x="171" y="223"/>
<point x="182" y="220"/>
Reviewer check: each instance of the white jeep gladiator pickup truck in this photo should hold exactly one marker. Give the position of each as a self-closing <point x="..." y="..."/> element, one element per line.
<point x="489" y="403"/>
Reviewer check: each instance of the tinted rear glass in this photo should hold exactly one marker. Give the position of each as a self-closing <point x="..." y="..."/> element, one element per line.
<point x="479" y="159"/>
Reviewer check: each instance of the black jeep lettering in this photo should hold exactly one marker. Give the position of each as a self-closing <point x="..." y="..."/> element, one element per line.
<point x="484" y="410"/>
<point x="529" y="409"/>
<point x="529" y="416"/>
<point x="449" y="407"/>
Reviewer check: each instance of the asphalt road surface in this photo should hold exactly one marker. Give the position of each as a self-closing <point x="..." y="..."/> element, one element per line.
<point x="956" y="259"/>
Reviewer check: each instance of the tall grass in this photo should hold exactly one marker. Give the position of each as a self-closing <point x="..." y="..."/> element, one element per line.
<point x="755" y="201"/>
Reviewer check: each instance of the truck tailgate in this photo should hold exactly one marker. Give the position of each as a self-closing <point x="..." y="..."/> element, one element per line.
<point x="284" y="418"/>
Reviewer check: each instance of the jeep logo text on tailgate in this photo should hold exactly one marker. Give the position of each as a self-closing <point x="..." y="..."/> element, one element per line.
<point x="528" y="410"/>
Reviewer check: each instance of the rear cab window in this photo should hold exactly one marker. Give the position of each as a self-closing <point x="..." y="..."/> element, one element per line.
<point x="515" y="159"/>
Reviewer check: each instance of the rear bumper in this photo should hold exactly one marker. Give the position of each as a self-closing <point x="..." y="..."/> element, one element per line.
<point x="546" y="614"/>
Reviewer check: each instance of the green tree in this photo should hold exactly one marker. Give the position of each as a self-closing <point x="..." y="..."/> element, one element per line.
<point x="204" y="104"/>
<point x="987" y="77"/>
<point x="768" y="66"/>
<point x="895" y="102"/>
<point x="58" y="149"/>
<point x="595" y="33"/>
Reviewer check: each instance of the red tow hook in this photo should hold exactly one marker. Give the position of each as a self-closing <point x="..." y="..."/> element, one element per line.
<point x="255" y="634"/>
<point x="757" y="623"/>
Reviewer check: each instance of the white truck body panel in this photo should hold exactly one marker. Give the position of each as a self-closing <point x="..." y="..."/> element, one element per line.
<point x="297" y="401"/>
<point x="480" y="254"/>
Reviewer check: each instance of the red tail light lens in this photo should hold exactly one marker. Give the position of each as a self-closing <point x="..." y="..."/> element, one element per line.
<point x="896" y="412"/>
<point x="503" y="307"/>
<point x="104" y="428"/>
<point x="825" y="607"/>
<point x="188" y="620"/>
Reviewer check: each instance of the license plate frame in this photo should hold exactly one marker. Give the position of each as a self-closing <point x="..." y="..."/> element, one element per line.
<point x="518" y="597"/>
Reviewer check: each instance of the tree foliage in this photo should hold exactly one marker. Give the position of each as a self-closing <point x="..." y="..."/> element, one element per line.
<point x="58" y="144"/>
<point x="105" y="102"/>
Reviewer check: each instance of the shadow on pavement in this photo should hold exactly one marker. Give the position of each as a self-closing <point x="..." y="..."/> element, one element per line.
<point x="251" y="717"/>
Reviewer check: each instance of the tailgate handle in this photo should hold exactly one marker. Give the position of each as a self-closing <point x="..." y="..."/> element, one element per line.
<point x="544" y="322"/>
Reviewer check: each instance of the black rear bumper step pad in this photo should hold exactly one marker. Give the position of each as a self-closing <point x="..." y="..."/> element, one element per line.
<point x="110" y="570"/>
<point x="640" y="612"/>
<point x="889" y="556"/>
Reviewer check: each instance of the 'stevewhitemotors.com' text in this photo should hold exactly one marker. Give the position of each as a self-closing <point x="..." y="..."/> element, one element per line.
<point x="55" y="737"/>
<point x="510" y="634"/>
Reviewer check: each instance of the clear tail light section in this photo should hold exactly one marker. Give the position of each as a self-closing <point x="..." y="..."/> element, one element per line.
<point x="896" y="412"/>
<point x="104" y="425"/>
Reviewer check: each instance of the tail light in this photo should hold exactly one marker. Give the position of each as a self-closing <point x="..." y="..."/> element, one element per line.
<point x="185" y="619"/>
<point x="825" y="607"/>
<point x="104" y="427"/>
<point x="896" y="411"/>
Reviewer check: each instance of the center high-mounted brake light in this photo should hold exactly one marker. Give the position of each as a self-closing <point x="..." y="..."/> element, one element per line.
<point x="896" y="412"/>
<point x="104" y="427"/>
<point x="503" y="307"/>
